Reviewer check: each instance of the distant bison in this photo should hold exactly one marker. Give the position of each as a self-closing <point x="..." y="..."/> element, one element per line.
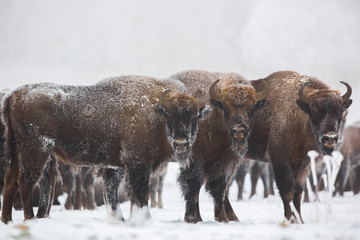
<point x="350" y="166"/>
<point x="222" y="138"/>
<point x="303" y="114"/>
<point x="111" y="124"/>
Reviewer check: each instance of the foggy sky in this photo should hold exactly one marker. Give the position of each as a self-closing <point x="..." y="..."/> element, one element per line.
<point x="84" y="41"/>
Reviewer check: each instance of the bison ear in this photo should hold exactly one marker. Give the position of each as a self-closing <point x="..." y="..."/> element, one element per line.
<point x="347" y="104"/>
<point x="204" y="111"/>
<point x="160" y="109"/>
<point x="216" y="104"/>
<point x="261" y="104"/>
<point x="303" y="106"/>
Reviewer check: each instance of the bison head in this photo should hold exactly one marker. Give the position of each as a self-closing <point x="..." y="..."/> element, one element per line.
<point x="238" y="103"/>
<point x="326" y="109"/>
<point x="182" y="113"/>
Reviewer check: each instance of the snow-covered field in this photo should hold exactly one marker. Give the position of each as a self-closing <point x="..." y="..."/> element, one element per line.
<point x="259" y="219"/>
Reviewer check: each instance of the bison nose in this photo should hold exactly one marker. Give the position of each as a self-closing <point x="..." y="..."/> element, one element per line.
<point x="329" y="140"/>
<point x="239" y="132"/>
<point x="181" y="145"/>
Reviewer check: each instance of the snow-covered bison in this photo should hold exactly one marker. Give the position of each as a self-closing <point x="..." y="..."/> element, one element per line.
<point x="222" y="138"/>
<point x="303" y="114"/>
<point x="110" y="124"/>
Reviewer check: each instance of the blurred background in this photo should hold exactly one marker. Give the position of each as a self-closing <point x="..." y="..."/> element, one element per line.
<point x="84" y="41"/>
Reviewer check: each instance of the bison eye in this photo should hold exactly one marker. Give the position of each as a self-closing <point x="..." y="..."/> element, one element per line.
<point x="251" y="108"/>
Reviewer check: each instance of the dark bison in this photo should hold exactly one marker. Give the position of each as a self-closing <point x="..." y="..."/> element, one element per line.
<point x="79" y="184"/>
<point x="303" y="114"/>
<point x="256" y="170"/>
<point x="349" y="171"/>
<point x="222" y="138"/>
<point x="111" y="124"/>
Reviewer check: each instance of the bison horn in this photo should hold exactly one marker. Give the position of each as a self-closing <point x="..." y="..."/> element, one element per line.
<point x="347" y="95"/>
<point x="213" y="94"/>
<point x="163" y="96"/>
<point x="264" y="93"/>
<point x="304" y="98"/>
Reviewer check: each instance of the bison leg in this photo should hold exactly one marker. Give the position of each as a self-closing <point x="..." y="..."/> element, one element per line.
<point x="240" y="179"/>
<point x="68" y="184"/>
<point x="266" y="180"/>
<point x="112" y="178"/>
<point x="2" y="177"/>
<point x="190" y="181"/>
<point x="139" y="189"/>
<point x="297" y="200"/>
<point x="153" y="185"/>
<point x="159" y="191"/>
<point x="254" y="176"/>
<point x="27" y="180"/>
<point x="216" y="188"/>
<point x="78" y="191"/>
<point x="229" y="210"/>
<point x="285" y="182"/>
<point x="10" y="188"/>
<point x="89" y="187"/>
<point x="47" y="189"/>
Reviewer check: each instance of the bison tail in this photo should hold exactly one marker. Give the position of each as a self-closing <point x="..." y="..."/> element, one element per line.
<point x="10" y="142"/>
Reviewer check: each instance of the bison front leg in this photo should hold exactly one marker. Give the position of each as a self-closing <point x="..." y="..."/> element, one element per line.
<point x="285" y="183"/>
<point x="112" y="178"/>
<point x="191" y="180"/>
<point x="139" y="175"/>
<point x="216" y="188"/>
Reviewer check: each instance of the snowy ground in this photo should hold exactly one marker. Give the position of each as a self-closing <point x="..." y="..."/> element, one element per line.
<point x="259" y="219"/>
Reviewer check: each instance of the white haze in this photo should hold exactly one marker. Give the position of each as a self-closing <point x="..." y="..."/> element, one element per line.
<point x="84" y="41"/>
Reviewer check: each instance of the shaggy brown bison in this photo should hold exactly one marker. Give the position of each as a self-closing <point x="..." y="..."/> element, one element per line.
<point x="349" y="171"/>
<point x="79" y="184"/>
<point x="256" y="170"/>
<point x="222" y="138"/>
<point x="303" y="114"/>
<point x="111" y="124"/>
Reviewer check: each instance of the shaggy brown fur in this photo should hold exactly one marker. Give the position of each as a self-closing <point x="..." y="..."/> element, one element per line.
<point x="112" y="123"/>
<point x="221" y="141"/>
<point x="287" y="128"/>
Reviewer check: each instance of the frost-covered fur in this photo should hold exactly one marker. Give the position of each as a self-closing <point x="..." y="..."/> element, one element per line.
<point x="111" y="124"/>
<point x="216" y="152"/>
<point x="287" y="128"/>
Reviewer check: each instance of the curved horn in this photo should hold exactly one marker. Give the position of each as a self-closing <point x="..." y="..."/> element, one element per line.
<point x="347" y="95"/>
<point x="303" y="97"/>
<point x="212" y="92"/>
<point x="163" y="94"/>
<point x="264" y="93"/>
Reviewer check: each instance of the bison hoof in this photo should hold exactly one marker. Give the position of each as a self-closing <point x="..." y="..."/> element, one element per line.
<point x="222" y="219"/>
<point x="192" y="219"/>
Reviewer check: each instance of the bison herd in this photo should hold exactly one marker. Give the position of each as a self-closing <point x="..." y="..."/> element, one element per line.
<point x="125" y="130"/>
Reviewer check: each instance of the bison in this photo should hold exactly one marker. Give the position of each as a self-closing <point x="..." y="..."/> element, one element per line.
<point x="303" y="114"/>
<point x="256" y="170"/>
<point x="222" y="138"/>
<point x="126" y="122"/>
<point x="350" y="148"/>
